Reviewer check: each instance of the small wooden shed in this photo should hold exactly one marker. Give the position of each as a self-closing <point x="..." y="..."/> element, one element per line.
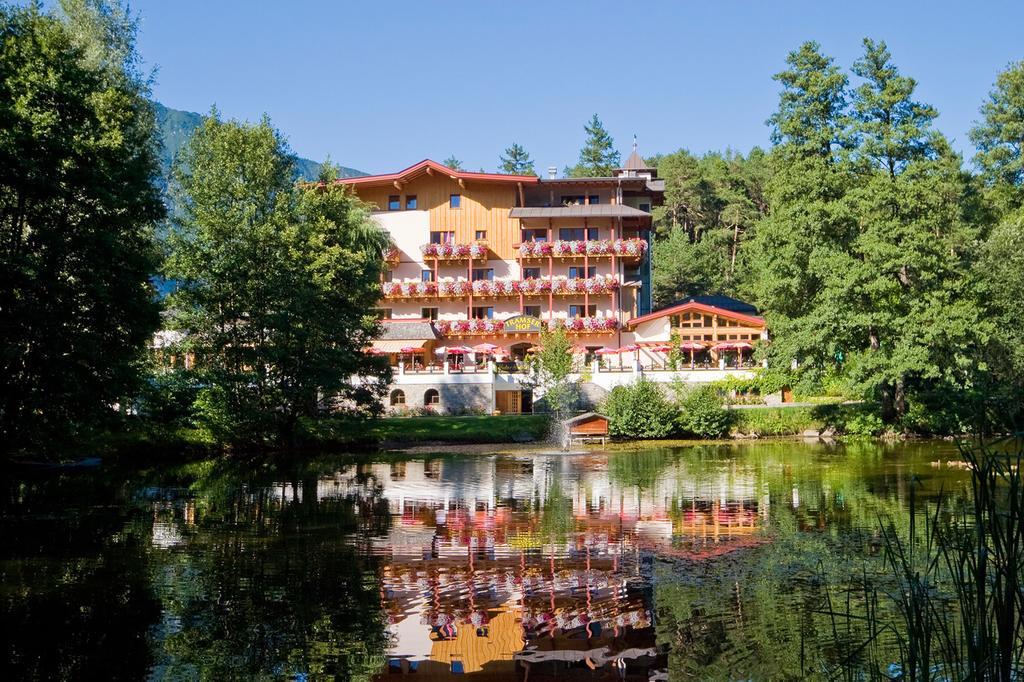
<point x="586" y="427"/>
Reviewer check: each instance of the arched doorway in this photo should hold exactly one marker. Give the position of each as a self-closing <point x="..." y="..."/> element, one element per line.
<point x="517" y="351"/>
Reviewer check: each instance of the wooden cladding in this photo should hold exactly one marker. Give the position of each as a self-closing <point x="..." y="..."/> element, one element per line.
<point x="483" y="207"/>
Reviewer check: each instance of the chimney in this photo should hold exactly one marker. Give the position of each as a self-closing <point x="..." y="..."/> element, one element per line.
<point x="552" y="172"/>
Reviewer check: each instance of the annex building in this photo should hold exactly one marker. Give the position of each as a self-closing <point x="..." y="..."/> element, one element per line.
<point x="484" y="262"/>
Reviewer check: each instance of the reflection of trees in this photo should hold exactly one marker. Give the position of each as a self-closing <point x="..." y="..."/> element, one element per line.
<point x="639" y="469"/>
<point x="77" y="603"/>
<point x="556" y="520"/>
<point x="271" y="584"/>
<point x="763" y="614"/>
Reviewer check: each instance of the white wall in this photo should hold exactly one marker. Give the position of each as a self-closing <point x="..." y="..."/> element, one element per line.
<point x="409" y="230"/>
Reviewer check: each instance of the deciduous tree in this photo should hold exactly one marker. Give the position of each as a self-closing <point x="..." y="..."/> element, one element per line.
<point x="276" y="283"/>
<point x="78" y="203"/>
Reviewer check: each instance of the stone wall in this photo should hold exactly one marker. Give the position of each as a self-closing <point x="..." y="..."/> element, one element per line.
<point x="455" y="398"/>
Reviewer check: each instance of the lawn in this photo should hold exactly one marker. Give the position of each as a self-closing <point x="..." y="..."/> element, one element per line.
<point x="477" y="429"/>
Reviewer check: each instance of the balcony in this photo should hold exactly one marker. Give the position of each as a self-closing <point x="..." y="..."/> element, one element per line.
<point x="594" y="248"/>
<point x="498" y="288"/>
<point x="575" y="325"/>
<point x="454" y="252"/>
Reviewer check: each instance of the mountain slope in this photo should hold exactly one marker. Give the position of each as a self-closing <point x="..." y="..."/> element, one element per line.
<point x="176" y="127"/>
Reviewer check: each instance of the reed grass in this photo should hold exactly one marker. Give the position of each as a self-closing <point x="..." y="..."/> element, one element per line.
<point x="949" y="604"/>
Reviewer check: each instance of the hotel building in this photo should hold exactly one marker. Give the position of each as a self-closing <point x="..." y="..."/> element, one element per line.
<point x="484" y="262"/>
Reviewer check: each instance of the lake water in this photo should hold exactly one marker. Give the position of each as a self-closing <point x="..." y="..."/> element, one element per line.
<point x="686" y="563"/>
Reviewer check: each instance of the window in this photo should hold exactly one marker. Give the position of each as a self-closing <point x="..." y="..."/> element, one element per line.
<point x="645" y="207"/>
<point x="410" y="202"/>
<point x="483" y="312"/>
<point x="455" y="201"/>
<point x="535" y="235"/>
<point x="388" y="275"/>
<point x="531" y="310"/>
<point x="431" y="397"/>
<point x="577" y="234"/>
<point x="583" y="311"/>
<point x="594" y="199"/>
<point x="582" y="272"/>
<point x="531" y="273"/>
<point x="398" y="397"/>
<point x="394" y="202"/>
<point x="382" y="313"/>
<point x="427" y="275"/>
<point x="480" y="235"/>
<point x="428" y="314"/>
<point x="483" y="273"/>
<point x="442" y="237"/>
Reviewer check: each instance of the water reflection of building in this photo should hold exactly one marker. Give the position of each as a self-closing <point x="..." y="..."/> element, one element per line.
<point x="496" y="565"/>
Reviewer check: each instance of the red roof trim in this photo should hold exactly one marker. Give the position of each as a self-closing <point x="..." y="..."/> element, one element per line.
<point x="754" y="320"/>
<point x="419" y="168"/>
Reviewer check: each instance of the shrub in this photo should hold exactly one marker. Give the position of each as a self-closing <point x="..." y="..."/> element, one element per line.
<point x="640" y="410"/>
<point x="167" y="397"/>
<point x="702" y="413"/>
<point x="865" y="424"/>
<point x="777" y="421"/>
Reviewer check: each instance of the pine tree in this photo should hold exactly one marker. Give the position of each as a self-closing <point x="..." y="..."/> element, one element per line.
<point x="805" y="237"/>
<point x="453" y="163"/>
<point x="1000" y="139"/>
<point x="712" y="204"/>
<point x="516" y="161"/>
<point x="598" y="157"/>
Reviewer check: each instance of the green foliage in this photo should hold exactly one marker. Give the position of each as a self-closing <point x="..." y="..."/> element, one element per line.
<point x="552" y="365"/>
<point x="516" y="161"/>
<point x="865" y="425"/>
<point x="275" y="284"/>
<point x="598" y="157"/>
<point x="453" y="163"/>
<point x="712" y="204"/>
<point x="702" y="414"/>
<point x="640" y="410"/>
<point x="763" y="382"/>
<point x="999" y="138"/>
<point x="78" y="205"/>
<point x="168" y="396"/>
<point x="865" y="263"/>
<point x="777" y="421"/>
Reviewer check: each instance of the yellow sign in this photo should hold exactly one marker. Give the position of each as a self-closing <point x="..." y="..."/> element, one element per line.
<point x="523" y="324"/>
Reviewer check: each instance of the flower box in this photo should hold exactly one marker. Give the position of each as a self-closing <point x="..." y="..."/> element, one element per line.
<point x="454" y="251"/>
<point x="585" y="325"/>
<point x="593" y="247"/>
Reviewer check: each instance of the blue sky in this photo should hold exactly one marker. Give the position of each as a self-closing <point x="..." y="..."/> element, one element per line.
<point x="379" y="86"/>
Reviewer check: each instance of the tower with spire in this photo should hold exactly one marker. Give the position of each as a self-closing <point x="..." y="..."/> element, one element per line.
<point x="635" y="166"/>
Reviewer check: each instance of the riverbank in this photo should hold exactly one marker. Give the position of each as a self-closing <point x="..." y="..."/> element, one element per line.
<point x="139" y="439"/>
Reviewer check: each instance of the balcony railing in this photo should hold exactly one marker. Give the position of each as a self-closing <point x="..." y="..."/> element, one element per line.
<point x="627" y="248"/>
<point x="575" y="325"/>
<point x="502" y="287"/>
<point x="454" y="251"/>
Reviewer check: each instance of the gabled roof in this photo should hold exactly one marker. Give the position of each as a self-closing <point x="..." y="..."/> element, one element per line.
<point x="583" y="417"/>
<point x="694" y="305"/>
<point x="426" y="167"/>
